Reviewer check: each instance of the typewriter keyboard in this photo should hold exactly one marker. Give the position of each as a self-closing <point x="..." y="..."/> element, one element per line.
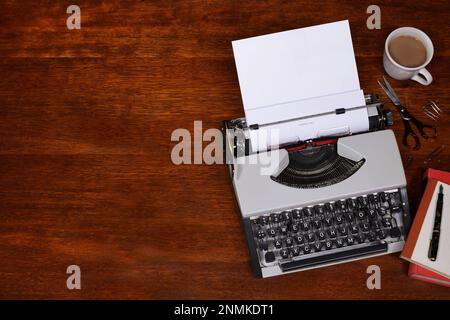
<point x="328" y="232"/>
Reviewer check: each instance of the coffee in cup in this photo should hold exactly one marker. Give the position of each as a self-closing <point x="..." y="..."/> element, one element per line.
<point x="407" y="52"/>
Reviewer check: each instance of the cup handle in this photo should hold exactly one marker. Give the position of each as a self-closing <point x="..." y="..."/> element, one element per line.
<point x="423" y="77"/>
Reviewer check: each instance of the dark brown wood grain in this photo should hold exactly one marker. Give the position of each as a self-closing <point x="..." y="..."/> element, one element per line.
<point x="86" y="176"/>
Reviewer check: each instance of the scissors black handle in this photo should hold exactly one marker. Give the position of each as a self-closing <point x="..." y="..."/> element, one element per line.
<point x="421" y="127"/>
<point x="410" y="133"/>
<point x="407" y="120"/>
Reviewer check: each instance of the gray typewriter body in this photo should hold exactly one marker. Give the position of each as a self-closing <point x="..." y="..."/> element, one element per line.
<point x="292" y="227"/>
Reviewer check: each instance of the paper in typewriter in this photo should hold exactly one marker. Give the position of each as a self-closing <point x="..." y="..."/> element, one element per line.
<point x="299" y="73"/>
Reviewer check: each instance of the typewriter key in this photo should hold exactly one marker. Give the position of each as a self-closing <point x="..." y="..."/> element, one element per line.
<point x="272" y="232"/>
<point x="269" y="257"/>
<point x="311" y="237"/>
<point x="332" y="233"/>
<point x="395" y="232"/>
<point x="318" y="246"/>
<point x="299" y="239"/>
<point x="321" y="235"/>
<point x="284" y="253"/>
<point x="306" y="249"/>
<point x="381" y="234"/>
<point x="295" y="251"/>
<point x="328" y="221"/>
<point x="289" y="242"/>
<point x="260" y="233"/>
<point x="372" y="236"/>
<point x="277" y="244"/>
<point x="296" y="214"/>
<point x="350" y="240"/>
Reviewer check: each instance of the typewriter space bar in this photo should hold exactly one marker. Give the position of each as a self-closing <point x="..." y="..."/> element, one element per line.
<point x="334" y="257"/>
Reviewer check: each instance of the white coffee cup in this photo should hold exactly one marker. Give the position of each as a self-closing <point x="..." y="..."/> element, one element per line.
<point x="399" y="72"/>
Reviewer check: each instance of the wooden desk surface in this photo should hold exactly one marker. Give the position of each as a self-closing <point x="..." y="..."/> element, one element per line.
<point x="86" y="120"/>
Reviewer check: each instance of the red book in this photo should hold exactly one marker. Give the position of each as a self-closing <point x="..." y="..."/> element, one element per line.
<point x="418" y="272"/>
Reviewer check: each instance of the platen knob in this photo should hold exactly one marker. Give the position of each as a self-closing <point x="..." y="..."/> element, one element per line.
<point x="388" y="117"/>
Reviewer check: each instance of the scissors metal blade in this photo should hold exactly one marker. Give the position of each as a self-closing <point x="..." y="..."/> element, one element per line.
<point x="389" y="91"/>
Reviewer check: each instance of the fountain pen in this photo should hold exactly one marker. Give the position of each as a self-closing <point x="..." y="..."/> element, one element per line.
<point x="434" y="242"/>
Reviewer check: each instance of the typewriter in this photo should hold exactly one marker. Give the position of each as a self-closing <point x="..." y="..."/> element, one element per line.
<point x="333" y="192"/>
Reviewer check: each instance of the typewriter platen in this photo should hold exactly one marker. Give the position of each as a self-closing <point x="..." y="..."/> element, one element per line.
<point x="328" y="201"/>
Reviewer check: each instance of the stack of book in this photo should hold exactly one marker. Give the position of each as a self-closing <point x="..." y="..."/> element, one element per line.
<point x="417" y="245"/>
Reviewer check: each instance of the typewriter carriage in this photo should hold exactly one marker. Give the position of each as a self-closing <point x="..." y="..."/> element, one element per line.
<point x="237" y="144"/>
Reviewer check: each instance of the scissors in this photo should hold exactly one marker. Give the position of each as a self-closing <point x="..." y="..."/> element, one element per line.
<point x="407" y="118"/>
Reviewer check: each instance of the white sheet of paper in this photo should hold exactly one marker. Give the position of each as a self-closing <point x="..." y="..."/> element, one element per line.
<point x="297" y="73"/>
<point x="420" y="253"/>
<point x="300" y="73"/>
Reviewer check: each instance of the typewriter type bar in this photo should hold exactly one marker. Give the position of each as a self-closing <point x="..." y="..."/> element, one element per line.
<point x="317" y="167"/>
